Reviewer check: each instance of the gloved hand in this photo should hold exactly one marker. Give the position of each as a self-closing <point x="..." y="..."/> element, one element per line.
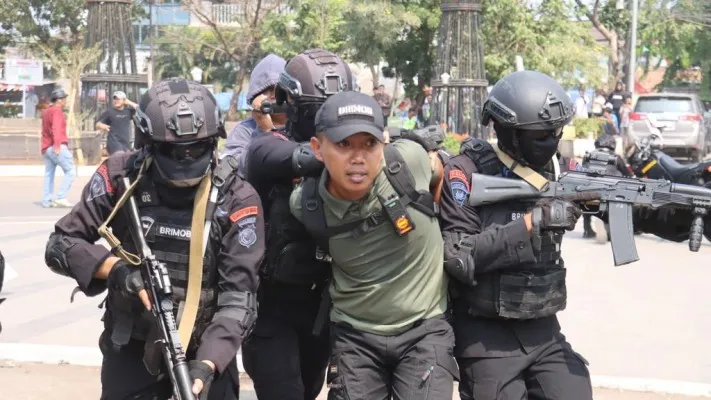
<point x="127" y="280"/>
<point x="555" y="214"/>
<point x="304" y="161"/>
<point x="202" y="374"/>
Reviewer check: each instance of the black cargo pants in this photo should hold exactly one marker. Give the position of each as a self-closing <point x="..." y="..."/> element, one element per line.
<point x="551" y="372"/>
<point x="282" y="356"/>
<point x="125" y="377"/>
<point x="415" y="365"/>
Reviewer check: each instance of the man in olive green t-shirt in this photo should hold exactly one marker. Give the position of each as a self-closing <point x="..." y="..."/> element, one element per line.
<point x="389" y="287"/>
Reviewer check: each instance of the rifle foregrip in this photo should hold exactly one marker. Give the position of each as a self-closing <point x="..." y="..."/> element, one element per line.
<point x="696" y="233"/>
<point x="183" y="382"/>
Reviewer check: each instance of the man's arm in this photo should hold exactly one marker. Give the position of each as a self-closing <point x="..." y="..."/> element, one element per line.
<point x="71" y="249"/>
<point x="237" y="140"/>
<point x="273" y="158"/>
<point x="242" y="250"/>
<point x="104" y="122"/>
<point x="496" y="247"/>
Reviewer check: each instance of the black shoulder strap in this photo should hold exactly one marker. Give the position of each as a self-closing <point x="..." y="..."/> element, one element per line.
<point x="483" y="156"/>
<point x="400" y="177"/>
<point x="314" y="215"/>
<point x="221" y="179"/>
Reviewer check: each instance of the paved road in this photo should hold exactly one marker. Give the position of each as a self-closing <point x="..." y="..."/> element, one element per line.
<point x="65" y="382"/>
<point x="649" y="319"/>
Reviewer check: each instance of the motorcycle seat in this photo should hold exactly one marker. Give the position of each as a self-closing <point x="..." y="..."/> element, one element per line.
<point x="675" y="168"/>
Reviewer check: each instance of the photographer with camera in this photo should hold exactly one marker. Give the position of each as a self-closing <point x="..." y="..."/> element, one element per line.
<point x="266" y="115"/>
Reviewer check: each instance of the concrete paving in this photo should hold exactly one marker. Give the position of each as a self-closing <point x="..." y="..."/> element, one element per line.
<point x="644" y="326"/>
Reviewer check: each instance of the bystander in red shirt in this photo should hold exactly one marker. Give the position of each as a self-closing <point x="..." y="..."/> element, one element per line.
<point x="54" y="128"/>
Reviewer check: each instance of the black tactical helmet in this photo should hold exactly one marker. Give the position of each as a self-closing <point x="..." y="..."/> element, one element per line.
<point x="606" y="142"/>
<point x="178" y="122"/>
<point x="57" y="94"/>
<point x="176" y="110"/>
<point x="529" y="110"/>
<point x="307" y="81"/>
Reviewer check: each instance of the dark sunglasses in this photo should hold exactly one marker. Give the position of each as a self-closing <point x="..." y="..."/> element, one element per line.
<point x="186" y="151"/>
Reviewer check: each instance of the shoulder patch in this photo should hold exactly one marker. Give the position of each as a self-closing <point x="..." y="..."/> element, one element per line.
<point x="243" y="213"/>
<point x="459" y="186"/>
<point x="100" y="184"/>
<point x="247" y="235"/>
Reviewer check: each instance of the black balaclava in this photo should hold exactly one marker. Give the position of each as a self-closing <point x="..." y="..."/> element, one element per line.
<point x="186" y="172"/>
<point x="302" y="120"/>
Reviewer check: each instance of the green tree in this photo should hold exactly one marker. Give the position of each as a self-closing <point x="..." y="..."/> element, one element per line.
<point x="306" y="24"/>
<point x="544" y="35"/>
<point x="372" y="27"/>
<point x="50" y="22"/>
<point x="237" y="41"/>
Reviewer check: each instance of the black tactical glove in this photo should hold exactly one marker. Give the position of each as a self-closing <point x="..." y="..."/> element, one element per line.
<point x="125" y="279"/>
<point x="430" y="137"/>
<point x="555" y="214"/>
<point x="304" y="161"/>
<point x="202" y="371"/>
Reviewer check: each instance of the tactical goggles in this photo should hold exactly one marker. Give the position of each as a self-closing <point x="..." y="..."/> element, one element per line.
<point x="185" y="151"/>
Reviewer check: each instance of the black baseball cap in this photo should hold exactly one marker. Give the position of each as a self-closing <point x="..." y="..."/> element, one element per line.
<point x="344" y="114"/>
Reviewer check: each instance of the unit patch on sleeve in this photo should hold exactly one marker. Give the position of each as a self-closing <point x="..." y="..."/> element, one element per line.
<point x="459" y="186"/>
<point x="244" y="212"/>
<point x="100" y="184"/>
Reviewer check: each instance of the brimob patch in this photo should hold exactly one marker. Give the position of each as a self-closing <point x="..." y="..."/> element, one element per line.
<point x="460" y="192"/>
<point x="247" y="236"/>
<point x="100" y="185"/>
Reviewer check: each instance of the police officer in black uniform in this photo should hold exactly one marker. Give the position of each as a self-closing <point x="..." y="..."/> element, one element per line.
<point x="508" y="291"/>
<point x="603" y="160"/>
<point x="287" y="354"/>
<point x="178" y="122"/>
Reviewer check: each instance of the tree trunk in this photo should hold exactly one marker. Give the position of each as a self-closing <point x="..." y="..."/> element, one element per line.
<point x="234" y="102"/>
<point x="376" y="76"/>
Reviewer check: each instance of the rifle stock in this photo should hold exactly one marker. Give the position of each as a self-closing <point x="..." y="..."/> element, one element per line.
<point x="157" y="282"/>
<point x="617" y="196"/>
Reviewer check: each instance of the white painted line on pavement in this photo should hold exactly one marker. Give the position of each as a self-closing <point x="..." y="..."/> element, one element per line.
<point x="653" y="385"/>
<point x="54" y="354"/>
<point x="90" y="356"/>
<point x="38" y="170"/>
<point x="49" y="221"/>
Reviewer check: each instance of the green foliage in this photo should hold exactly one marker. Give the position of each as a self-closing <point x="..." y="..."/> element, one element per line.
<point x="181" y="48"/>
<point x="586" y="126"/>
<point x="307" y="24"/>
<point x="451" y="144"/>
<point x="413" y="54"/>
<point x="544" y="35"/>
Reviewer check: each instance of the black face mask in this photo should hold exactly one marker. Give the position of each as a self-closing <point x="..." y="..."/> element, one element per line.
<point x="538" y="152"/>
<point x="182" y="165"/>
<point x="302" y="118"/>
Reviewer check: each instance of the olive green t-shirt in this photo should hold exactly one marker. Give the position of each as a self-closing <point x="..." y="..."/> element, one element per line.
<point x="383" y="283"/>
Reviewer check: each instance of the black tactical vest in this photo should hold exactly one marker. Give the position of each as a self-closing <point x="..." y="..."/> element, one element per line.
<point x="526" y="291"/>
<point x="167" y="231"/>
<point x="292" y="256"/>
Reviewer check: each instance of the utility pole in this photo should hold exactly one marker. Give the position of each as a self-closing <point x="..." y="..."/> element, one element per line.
<point x="633" y="48"/>
<point x="150" y="43"/>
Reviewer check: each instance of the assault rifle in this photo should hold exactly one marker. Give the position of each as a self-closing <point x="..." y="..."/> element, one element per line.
<point x="616" y="196"/>
<point x="155" y="275"/>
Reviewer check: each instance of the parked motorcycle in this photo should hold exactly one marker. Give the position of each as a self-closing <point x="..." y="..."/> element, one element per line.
<point x="647" y="160"/>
